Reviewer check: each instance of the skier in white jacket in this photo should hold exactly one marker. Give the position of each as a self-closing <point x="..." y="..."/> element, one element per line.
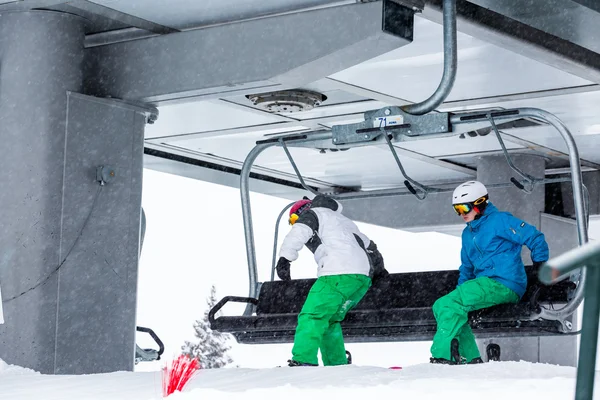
<point x="346" y="261"/>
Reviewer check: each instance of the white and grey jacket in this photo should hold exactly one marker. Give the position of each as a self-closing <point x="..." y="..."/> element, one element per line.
<point x="337" y="244"/>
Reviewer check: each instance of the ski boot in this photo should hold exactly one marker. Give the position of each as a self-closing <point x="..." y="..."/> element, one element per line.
<point x="493" y="352"/>
<point x="455" y="358"/>
<point x="476" y="360"/>
<point x="349" y="357"/>
<point x="294" y="363"/>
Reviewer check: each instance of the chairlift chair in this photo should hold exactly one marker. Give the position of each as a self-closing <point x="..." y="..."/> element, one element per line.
<point x="398" y="308"/>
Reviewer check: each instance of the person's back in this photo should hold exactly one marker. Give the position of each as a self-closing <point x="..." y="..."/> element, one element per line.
<point x="342" y="249"/>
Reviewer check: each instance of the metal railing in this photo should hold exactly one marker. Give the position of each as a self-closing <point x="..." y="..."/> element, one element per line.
<point x="586" y="257"/>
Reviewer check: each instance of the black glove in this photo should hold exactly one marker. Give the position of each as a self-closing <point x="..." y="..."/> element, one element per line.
<point x="377" y="263"/>
<point x="283" y="269"/>
<point x="538" y="264"/>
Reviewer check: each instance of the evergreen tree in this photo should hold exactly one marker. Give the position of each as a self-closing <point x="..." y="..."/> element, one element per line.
<point x="212" y="346"/>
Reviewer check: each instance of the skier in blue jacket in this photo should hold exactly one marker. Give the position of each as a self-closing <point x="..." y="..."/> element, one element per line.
<point x="491" y="271"/>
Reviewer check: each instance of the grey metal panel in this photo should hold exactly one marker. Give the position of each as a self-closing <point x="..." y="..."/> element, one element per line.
<point x="102" y="19"/>
<point x="203" y="116"/>
<point x="495" y="169"/>
<point x="252" y="54"/>
<point x="558" y="350"/>
<point x="560" y="233"/>
<point x="220" y="177"/>
<point x="98" y="282"/>
<point x="185" y="14"/>
<point x="484" y="69"/>
<point x="41" y="58"/>
<point x="403" y="212"/>
<point x="371" y="167"/>
<point x="510" y="34"/>
<point x="572" y="20"/>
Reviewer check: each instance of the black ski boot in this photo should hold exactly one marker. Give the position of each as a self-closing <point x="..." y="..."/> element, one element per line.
<point x="454" y="355"/>
<point x="434" y="360"/>
<point x="493" y="352"/>
<point x="348" y="357"/>
<point x="294" y="363"/>
<point x="476" y="360"/>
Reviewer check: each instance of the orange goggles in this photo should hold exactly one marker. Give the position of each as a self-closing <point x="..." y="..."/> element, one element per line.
<point x="293" y="218"/>
<point x="462" y="209"/>
<point x="465" y="208"/>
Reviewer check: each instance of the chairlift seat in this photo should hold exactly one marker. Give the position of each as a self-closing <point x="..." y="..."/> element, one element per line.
<point x="396" y="308"/>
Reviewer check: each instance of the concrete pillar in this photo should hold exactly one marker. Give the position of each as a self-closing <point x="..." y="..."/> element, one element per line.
<point x="68" y="264"/>
<point x="495" y="169"/>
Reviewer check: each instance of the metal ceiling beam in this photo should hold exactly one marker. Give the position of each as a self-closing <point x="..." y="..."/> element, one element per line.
<point x="591" y="4"/>
<point x="545" y="150"/>
<point x="271" y="53"/>
<point x="23" y="5"/>
<point x="372" y="94"/>
<point x="520" y="38"/>
<point x="119" y="16"/>
<point x="460" y="104"/>
<point x="435" y="161"/>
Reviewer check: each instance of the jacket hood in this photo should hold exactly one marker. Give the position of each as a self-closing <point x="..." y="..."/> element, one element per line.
<point x="323" y="201"/>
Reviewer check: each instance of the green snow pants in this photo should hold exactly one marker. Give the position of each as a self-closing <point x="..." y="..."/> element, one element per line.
<point x="326" y="305"/>
<point x="451" y="311"/>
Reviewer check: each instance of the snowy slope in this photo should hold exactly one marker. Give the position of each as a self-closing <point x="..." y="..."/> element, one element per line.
<point x="500" y="380"/>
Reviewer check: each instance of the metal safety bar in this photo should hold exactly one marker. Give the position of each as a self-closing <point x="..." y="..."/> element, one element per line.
<point x="409" y="182"/>
<point x="584" y="257"/>
<point x="455" y="120"/>
<point x="275" y="239"/>
<point x="530" y="180"/>
<point x="450" y="64"/>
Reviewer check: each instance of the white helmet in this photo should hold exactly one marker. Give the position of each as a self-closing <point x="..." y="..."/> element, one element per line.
<point x="468" y="192"/>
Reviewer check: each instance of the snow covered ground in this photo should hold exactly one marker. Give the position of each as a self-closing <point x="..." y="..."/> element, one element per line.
<point x="496" y="380"/>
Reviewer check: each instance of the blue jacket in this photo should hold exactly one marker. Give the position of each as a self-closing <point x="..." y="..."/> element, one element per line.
<point x="491" y="246"/>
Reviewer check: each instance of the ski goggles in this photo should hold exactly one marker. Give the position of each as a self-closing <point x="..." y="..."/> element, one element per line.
<point x="465" y="208"/>
<point x="293" y="218"/>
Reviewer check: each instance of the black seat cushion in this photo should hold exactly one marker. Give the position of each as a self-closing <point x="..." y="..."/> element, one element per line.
<point x="400" y="290"/>
<point x="396" y="308"/>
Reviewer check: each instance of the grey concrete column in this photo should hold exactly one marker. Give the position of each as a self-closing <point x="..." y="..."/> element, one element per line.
<point x="495" y="169"/>
<point x="41" y="54"/>
<point x="69" y="247"/>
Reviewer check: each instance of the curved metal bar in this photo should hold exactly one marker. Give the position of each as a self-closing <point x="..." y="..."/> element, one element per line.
<point x="577" y="184"/>
<point x="247" y="217"/>
<point x="298" y="174"/>
<point x="530" y="180"/>
<point x="275" y="239"/>
<point x="450" y="62"/>
<point x="425" y="190"/>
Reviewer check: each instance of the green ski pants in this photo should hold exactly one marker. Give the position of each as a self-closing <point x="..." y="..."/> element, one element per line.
<point x="326" y="305"/>
<point x="451" y="311"/>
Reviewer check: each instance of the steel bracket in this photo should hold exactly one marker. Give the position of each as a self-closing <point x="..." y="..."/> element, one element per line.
<point x="392" y="121"/>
